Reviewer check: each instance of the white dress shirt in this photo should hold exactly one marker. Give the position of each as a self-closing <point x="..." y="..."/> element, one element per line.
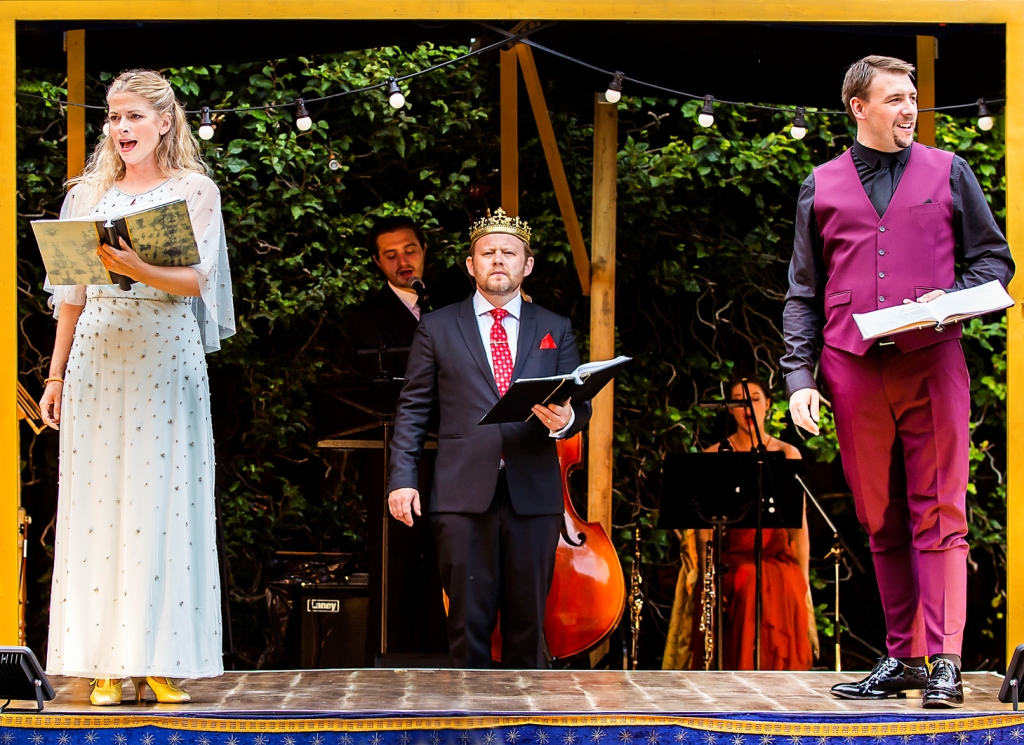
<point x="409" y="298"/>
<point x="482" y="307"/>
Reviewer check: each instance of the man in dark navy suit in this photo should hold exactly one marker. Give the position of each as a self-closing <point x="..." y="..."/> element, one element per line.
<point x="496" y="503"/>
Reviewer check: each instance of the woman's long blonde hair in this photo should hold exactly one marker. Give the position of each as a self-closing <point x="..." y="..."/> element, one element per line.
<point x="176" y="155"/>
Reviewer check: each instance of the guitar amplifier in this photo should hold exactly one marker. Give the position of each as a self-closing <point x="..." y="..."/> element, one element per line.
<point x="332" y="622"/>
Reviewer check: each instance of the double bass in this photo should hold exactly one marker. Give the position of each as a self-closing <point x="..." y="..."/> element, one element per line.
<point x="588" y="591"/>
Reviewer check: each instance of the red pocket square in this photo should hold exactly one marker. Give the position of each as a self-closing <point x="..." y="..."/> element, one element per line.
<point x="548" y="343"/>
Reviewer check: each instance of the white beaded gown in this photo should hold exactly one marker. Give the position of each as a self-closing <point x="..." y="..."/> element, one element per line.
<point x="136" y="585"/>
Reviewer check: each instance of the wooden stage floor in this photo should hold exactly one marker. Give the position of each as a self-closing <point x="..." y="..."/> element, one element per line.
<point x="431" y="693"/>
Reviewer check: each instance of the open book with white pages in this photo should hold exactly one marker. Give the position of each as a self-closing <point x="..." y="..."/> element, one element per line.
<point x="949" y="308"/>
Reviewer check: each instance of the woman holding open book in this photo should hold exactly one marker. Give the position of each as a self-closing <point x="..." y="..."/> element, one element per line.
<point x="136" y="586"/>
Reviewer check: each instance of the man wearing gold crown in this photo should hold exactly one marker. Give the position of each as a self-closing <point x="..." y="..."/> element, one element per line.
<point x="496" y="503"/>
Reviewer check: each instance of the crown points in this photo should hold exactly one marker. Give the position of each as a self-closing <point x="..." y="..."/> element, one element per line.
<point x="499" y="222"/>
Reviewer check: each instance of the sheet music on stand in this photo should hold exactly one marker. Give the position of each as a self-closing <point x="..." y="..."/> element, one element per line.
<point x="699" y="488"/>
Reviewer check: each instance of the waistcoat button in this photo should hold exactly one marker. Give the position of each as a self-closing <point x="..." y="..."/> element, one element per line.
<point x="881" y="229"/>
<point x="881" y="298"/>
<point x="881" y="252"/>
<point x="881" y="274"/>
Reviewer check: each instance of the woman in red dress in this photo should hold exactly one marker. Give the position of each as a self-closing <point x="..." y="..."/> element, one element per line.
<point x="789" y="638"/>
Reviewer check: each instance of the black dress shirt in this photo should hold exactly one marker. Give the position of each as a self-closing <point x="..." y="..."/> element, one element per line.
<point x="979" y="243"/>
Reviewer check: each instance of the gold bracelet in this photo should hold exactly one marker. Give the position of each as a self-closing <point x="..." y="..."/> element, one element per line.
<point x="53" y="380"/>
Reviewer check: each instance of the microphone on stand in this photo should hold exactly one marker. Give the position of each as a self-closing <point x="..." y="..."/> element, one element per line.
<point x="421" y="292"/>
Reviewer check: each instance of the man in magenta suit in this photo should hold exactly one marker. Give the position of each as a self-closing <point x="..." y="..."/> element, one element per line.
<point x="496" y="505"/>
<point x="883" y="224"/>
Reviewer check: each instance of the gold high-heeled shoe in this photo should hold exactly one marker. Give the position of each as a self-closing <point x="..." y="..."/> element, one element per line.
<point x="166" y="693"/>
<point x="105" y="692"/>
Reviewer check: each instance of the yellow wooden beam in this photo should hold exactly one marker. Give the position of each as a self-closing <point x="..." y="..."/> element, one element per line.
<point x="535" y="91"/>
<point x="1013" y="116"/>
<point x="509" y="132"/>
<point x="10" y="469"/>
<point x="926" y="89"/>
<point x="813" y="11"/>
<point x="602" y="307"/>
<point x="74" y="46"/>
<point x="601" y="433"/>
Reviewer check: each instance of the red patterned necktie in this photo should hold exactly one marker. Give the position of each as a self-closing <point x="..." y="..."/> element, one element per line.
<point x="501" y="355"/>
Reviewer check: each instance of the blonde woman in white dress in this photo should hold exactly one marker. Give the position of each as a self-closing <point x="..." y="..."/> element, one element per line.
<point x="136" y="587"/>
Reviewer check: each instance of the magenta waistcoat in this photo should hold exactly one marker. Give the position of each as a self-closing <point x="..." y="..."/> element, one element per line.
<point x="874" y="262"/>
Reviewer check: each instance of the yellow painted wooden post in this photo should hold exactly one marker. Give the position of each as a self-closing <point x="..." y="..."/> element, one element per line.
<point x="602" y="307"/>
<point x="554" y="160"/>
<point x="509" y="132"/>
<point x="600" y="460"/>
<point x="10" y="458"/>
<point x="926" y="89"/>
<point x="74" y="46"/>
<point x="1013" y="116"/>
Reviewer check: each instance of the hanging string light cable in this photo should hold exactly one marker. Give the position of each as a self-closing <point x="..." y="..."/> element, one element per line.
<point x="512" y="38"/>
<point x="613" y="93"/>
<point x="695" y="97"/>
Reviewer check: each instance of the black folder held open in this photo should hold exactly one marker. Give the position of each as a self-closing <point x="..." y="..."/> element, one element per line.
<point x="582" y="384"/>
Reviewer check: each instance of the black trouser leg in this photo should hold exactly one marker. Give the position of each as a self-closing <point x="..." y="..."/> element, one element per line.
<point x="467" y="554"/>
<point x="491" y="560"/>
<point x="528" y="546"/>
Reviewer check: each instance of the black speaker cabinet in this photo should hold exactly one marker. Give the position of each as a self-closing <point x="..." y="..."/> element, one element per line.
<point x="332" y="624"/>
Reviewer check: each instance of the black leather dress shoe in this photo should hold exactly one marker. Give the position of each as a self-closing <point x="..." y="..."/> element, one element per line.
<point x="890" y="677"/>
<point x="945" y="689"/>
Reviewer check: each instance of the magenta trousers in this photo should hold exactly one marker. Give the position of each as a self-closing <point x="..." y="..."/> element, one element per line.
<point x="903" y="426"/>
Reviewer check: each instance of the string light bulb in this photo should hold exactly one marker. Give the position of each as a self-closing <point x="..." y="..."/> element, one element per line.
<point x="707" y="112"/>
<point x="302" y="121"/>
<point x="614" y="92"/>
<point x="395" y="96"/>
<point x="799" y="129"/>
<point x="205" y="124"/>
<point x="106" y="129"/>
<point x="985" y="120"/>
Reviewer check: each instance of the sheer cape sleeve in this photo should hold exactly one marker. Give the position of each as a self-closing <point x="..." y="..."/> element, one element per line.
<point x="214" y="308"/>
<point x="71" y="294"/>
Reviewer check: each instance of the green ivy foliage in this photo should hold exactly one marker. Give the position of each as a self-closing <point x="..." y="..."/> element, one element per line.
<point x="705" y="222"/>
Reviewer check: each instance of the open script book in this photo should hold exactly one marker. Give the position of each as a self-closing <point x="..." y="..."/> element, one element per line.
<point x="949" y="308"/>
<point x="582" y="384"/>
<point x="161" y="236"/>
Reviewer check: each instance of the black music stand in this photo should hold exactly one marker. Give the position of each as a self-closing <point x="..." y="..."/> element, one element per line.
<point x="384" y="375"/>
<point x="840" y="555"/>
<point x="375" y="403"/>
<point x="713" y="490"/>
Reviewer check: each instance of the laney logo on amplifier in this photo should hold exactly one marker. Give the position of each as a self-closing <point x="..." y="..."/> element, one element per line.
<point x="314" y="605"/>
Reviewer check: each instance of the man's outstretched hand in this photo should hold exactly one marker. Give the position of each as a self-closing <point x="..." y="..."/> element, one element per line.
<point x="403" y="503"/>
<point x="804" y="407"/>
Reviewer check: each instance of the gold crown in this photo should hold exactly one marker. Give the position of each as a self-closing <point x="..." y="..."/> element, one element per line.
<point x="499" y="222"/>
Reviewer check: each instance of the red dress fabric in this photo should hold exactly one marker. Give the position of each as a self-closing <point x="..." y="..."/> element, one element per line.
<point x="784" y="641"/>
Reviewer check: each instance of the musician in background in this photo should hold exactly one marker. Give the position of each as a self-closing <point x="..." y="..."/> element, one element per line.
<point x="389" y="317"/>
<point x="789" y="636"/>
<point x="387" y="321"/>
